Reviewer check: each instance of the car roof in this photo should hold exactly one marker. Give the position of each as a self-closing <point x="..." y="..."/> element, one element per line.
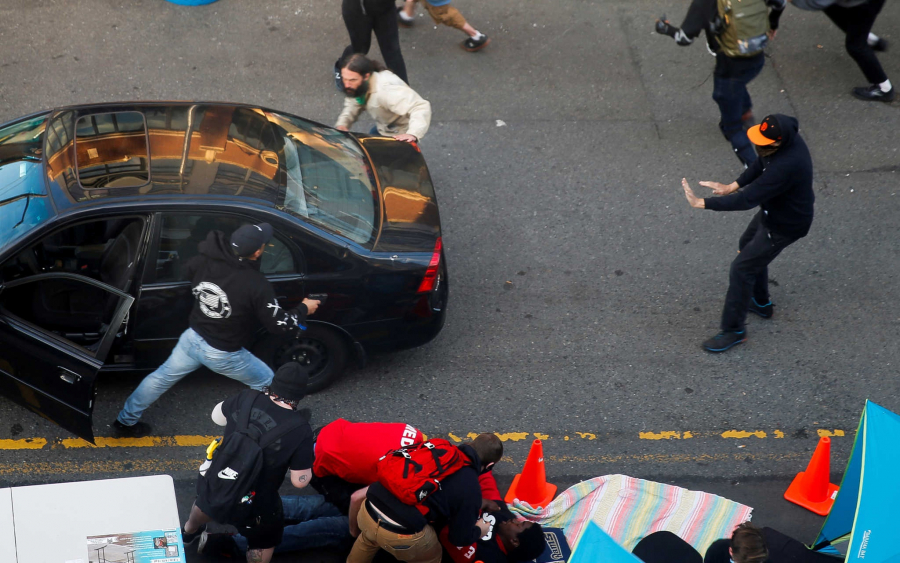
<point x="183" y="150"/>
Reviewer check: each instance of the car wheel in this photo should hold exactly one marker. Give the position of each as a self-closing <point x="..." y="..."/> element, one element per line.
<point x="320" y="350"/>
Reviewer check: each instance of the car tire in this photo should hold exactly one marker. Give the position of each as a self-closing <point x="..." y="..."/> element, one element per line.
<point x="321" y="350"/>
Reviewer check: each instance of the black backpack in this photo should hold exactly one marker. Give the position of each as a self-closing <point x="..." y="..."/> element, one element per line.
<point x="237" y="463"/>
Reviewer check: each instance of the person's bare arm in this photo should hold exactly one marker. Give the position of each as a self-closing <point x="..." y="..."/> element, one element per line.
<point x="217" y="415"/>
<point x="356" y="500"/>
<point x="301" y="478"/>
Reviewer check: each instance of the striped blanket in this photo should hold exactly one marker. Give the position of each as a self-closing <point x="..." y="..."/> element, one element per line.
<point x="628" y="509"/>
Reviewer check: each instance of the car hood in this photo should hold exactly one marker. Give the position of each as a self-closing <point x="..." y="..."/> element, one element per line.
<point x="411" y="222"/>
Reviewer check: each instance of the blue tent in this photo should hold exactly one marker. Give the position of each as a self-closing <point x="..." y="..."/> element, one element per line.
<point x="865" y="510"/>
<point x="595" y="546"/>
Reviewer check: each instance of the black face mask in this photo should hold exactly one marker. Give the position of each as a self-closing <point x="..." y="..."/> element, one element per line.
<point x="764" y="151"/>
<point x="357" y="92"/>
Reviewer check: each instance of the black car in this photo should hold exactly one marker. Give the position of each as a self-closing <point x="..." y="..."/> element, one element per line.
<point x="102" y="205"/>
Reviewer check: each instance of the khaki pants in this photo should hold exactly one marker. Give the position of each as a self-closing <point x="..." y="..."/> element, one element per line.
<point x="447" y="15"/>
<point x="423" y="547"/>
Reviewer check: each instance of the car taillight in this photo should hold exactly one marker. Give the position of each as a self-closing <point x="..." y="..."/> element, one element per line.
<point x="432" y="271"/>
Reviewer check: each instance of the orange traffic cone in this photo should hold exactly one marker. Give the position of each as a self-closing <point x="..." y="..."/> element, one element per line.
<point x="811" y="489"/>
<point x="531" y="484"/>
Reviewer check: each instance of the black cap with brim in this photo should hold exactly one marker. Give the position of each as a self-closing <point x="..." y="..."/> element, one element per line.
<point x="250" y="238"/>
<point x="766" y="133"/>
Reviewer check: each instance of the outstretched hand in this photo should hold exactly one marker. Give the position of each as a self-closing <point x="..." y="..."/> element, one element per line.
<point x="693" y="200"/>
<point x="717" y="188"/>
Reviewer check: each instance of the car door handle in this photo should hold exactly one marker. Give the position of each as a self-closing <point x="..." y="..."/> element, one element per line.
<point x="68" y="376"/>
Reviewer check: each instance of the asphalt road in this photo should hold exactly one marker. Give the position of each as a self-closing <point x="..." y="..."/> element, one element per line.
<point x="581" y="282"/>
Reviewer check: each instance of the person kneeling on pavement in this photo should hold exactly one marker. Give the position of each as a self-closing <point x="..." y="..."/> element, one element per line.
<point x="407" y="531"/>
<point x="272" y="419"/>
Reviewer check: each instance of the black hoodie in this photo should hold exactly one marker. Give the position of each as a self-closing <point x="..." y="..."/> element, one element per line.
<point x="233" y="298"/>
<point x="781" y="184"/>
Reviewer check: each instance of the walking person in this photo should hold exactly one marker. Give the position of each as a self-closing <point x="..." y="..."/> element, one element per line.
<point x="283" y="434"/>
<point x="443" y="12"/>
<point x="398" y="111"/>
<point x="737" y="38"/>
<point x="362" y="18"/>
<point x="780" y="184"/>
<point x="232" y="299"/>
<point x="856" y="18"/>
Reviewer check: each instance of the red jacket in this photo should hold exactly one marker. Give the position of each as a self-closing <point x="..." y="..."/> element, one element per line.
<point x="350" y="450"/>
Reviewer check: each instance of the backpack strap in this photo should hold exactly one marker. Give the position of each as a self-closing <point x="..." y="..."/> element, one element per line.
<point x="273" y="435"/>
<point x="245" y="408"/>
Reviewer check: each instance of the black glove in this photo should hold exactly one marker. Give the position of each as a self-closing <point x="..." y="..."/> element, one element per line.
<point x="663" y="27"/>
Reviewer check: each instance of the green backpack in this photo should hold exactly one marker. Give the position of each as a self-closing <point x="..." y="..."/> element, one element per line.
<point x="745" y="24"/>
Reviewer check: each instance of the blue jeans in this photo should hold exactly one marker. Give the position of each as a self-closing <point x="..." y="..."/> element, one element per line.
<point x="189" y="354"/>
<point x="320" y="524"/>
<point x="730" y="81"/>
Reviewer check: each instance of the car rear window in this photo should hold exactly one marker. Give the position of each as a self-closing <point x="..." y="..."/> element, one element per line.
<point x="24" y="203"/>
<point x="112" y="150"/>
<point x="329" y="181"/>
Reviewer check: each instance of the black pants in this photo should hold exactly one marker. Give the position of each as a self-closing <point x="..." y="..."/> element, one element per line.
<point x="362" y="17"/>
<point x="856" y="23"/>
<point x="749" y="275"/>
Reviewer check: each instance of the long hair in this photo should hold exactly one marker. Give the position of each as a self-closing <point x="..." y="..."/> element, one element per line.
<point x="361" y="64"/>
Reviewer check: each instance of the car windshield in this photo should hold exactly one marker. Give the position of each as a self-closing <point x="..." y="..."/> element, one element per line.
<point x="329" y="181"/>
<point x="24" y="203"/>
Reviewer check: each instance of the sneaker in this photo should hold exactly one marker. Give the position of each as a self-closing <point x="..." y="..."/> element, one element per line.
<point x="881" y="46"/>
<point x="403" y="20"/>
<point x="188" y="539"/>
<point x="136" y="430"/>
<point x="765" y="311"/>
<point x="725" y="340"/>
<point x="472" y="45"/>
<point x="338" y="82"/>
<point x="219" y="545"/>
<point x="873" y="93"/>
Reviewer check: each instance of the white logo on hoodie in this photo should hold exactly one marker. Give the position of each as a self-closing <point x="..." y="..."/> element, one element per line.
<point x="213" y="301"/>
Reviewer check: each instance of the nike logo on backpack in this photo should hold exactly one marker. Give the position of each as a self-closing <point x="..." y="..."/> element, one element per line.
<point x="228" y="473"/>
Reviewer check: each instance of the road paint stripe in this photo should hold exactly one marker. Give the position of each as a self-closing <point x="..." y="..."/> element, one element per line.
<point x="156" y="466"/>
<point x="202" y="441"/>
<point x="24" y="444"/>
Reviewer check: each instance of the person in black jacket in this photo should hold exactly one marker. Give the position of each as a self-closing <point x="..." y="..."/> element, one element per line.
<point x="384" y="522"/>
<point x="232" y="299"/>
<point x="731" y="74"/>
<point x="362" y="17"/>
<point x="780" y="184"/>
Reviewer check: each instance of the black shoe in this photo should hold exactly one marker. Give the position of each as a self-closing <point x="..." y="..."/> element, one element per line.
<point x="219" y="545"/>
<point x="881" y="46"/>
<point x="725" y="340"/>
<point x="136" y="430"/>
<point x="188" y="539"/>
<point x="338" y="83"/>
<point x="472" y="45"/>
<point x="765" y="311"/>
<point x="873" y="93"/>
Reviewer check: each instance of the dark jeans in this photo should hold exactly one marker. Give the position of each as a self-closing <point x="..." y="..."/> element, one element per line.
<point x="310" y="523"/>
<point x="749" y="276"/>
<point x="362" y="17"/>
<point x="856" y="23"/>
<point x="730" y="81"/>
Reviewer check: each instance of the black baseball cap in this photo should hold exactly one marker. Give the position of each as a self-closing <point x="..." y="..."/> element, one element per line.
<point x="249" y="238"/>
<point x="766" y="133"/>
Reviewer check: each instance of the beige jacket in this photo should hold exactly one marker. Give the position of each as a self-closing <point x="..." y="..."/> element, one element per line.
<point x="395" y="107"/>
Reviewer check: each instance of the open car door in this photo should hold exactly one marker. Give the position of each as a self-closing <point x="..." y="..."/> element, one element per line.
<point x="56" y="330"/>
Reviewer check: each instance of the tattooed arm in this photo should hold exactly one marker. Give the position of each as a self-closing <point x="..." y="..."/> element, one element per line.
<point x="300" y="478"/>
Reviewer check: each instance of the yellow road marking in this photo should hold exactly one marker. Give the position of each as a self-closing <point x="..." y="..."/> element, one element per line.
<point x="203" y="441"/>
<point x="740" y="434"/>
<point x="25" y="444"/>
